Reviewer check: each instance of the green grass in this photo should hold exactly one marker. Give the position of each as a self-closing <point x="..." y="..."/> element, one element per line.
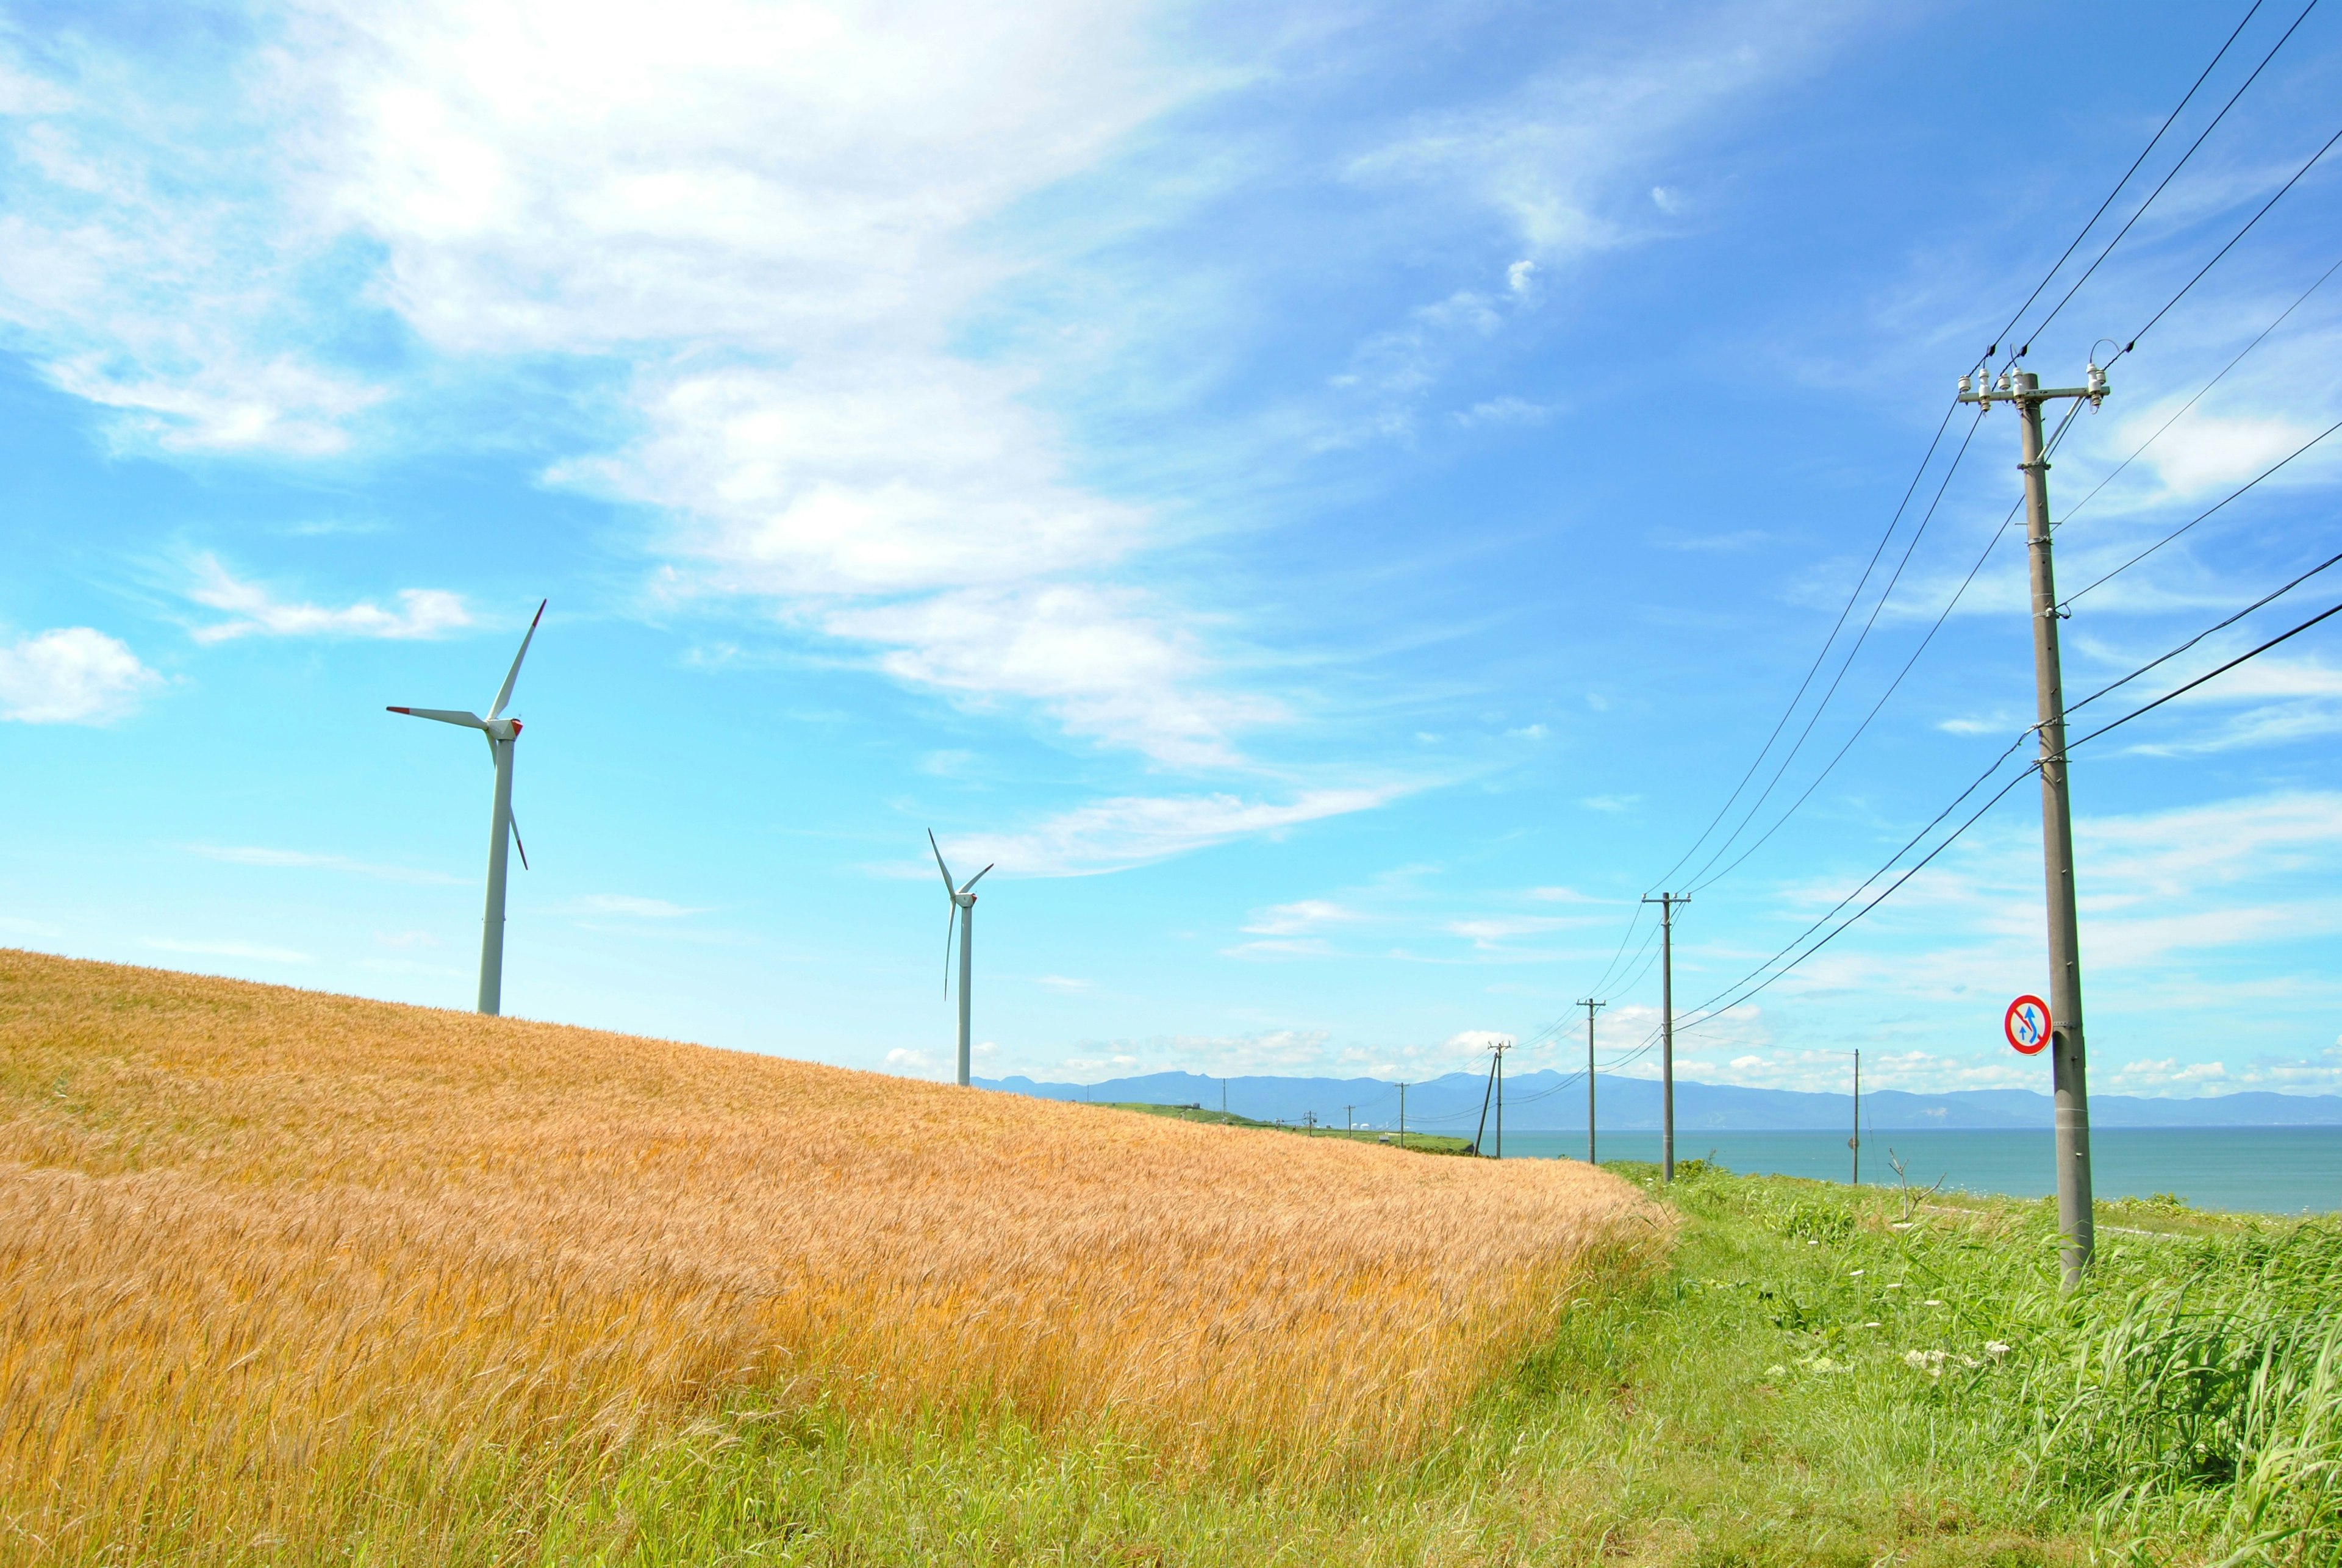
<point x="1419" y="1143"/>
<point x="1816" y="1376"/>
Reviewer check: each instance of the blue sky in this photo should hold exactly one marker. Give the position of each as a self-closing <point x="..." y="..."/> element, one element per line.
<point x="1329" y="497"/>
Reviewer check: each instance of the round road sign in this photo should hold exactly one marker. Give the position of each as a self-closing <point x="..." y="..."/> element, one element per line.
<point x="2027" y="1024"/>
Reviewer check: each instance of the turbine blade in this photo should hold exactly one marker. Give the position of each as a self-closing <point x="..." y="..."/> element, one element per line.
<point x="949" y="921"/>
<point x="504" y="693"/>
<point x="514" y="823"/>
<point x="444" y="715"/>
<point x="978" y="877"/>
<point x="948" y="891"/>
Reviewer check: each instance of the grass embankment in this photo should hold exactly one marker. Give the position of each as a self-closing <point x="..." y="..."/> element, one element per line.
<point x="287" y="1277"/>
<point x="1418" y="1143"/>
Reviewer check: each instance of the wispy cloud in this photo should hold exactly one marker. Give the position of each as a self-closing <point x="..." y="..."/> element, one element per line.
<point x="627" y="905"/>
<point x="1135" y="830"/>
<point x="422" y="612"/>
<point x="303" y="860"/>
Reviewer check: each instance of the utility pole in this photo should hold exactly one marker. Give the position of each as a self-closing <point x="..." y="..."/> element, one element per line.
<point x="1666" y="902"/>
<point x="1501" y="1046"/>
<point x="1224" y="1096"/>
<point x="1402" y="1115"/>
<point x="1349" y="1123"/>
<point x="2069" y="1066"/>
<point x="1592" y="1008"/>
<point x="1855" y="1143"/>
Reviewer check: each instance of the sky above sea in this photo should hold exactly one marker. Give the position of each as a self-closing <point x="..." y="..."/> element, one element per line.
<point x="1330" y="500"/>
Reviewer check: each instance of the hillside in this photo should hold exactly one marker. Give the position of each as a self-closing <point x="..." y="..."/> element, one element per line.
<point x="272" y="1261"/>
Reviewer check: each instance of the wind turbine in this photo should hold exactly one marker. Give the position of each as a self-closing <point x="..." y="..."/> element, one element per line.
<point x="963" y="909"/>
<point x="501" y="732"/>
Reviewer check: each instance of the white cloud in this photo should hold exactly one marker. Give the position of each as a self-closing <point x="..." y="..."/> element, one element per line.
<point x="1610" y="803"/>
<point x="1062" y="983"/>
<point x="626" y="905"/>
<point x="1134" y="830"/>
<point x="423" y="613"/>
<point x="2169" y="1073"/>
<point x="1506" y="410"/>
<point x="2205" y="452"/>
<point x="1303" y="915"/>
<point x="1106" y="663"/>
<point x="1491" y="933"/>
<point x="74" y="675"/>
<point x="294" y="859"/>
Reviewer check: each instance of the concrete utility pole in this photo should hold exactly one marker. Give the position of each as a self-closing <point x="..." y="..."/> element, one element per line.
<point x="1502" y="1047"/>
<point x="1666" y="902"/>
<point x="1855" y="1143"/>
<point x="1349" y="1123"/>
<point x="1402" y="1115"/>
<point x="2068" y="1067"/>
<point x="1592" y="1008"/>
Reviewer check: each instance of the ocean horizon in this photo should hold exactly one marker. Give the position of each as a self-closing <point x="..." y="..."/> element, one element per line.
<point x="2264" y="1170"/>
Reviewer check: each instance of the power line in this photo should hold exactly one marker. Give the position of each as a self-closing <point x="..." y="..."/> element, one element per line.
<point x="2152" y="142"/>
<point x="1821" y="654"/>
<point x="1851" y="654"/>
<point x="1741" y="991"/>
<point x="2076" y="510"/>
<point x="2208" y="512"/>
<point x="2216" y="627"/>
<point x="2224" y="249"/>
<point x="2173" y="173"/>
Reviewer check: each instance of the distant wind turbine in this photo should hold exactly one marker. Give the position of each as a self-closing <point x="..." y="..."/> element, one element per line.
<point x="502" y="733"/>
<point x="963" y="909"/>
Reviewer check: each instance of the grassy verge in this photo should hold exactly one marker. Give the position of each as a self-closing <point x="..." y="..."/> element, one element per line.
<point x="1818" y="1377"/>
<point x="1419" y="1142"/>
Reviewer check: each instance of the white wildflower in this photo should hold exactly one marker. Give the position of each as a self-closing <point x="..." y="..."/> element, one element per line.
<point x="1931" y="1300"/>
<point x="1995" y="1349"/>
<point x="1856" y="1276"/>
<point x="1930" y="1362"/>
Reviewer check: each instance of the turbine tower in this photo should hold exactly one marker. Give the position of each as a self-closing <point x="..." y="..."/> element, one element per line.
<point x="501" y="732"/>
<point x="963" y="909"/>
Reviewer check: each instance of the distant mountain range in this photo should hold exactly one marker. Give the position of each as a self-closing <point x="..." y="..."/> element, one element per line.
<point x="1552" y="1101"/>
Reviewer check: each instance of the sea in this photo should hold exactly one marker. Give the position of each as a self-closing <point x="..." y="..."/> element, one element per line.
<point x="2271" y="1170"/>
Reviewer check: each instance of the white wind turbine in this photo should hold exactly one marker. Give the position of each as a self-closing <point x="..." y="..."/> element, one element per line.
<point x="501" y="732"/>
<point x="963" y="909"/>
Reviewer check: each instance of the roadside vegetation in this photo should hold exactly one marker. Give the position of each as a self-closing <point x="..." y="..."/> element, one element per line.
<point x="264" y="1298"/>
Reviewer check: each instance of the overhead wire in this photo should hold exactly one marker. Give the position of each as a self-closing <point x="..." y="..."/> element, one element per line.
<point x="2224" y="249"/>
<point x="2201" y="392"/>
<point x="1741" y="991"/>
<point x="2152" y="142"/>
<point x="2170" y="175"/>
<point x="2208" y="512"/>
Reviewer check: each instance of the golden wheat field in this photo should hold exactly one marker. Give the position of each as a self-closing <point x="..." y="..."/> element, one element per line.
<point x="262" y="1250"/>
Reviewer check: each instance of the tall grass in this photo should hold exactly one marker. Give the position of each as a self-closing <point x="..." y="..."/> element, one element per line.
<point x="291" y="1275"/>
<point x="2184" y="1404"/>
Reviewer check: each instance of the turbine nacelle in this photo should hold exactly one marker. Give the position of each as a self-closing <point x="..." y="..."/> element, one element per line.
<point x="494" y="729"/>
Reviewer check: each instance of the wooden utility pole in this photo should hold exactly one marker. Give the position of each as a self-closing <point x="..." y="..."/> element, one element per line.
<point x="1666" y="902"/>
<point x="1592" y="1008"/>
<point x="2068" y="1066"/>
